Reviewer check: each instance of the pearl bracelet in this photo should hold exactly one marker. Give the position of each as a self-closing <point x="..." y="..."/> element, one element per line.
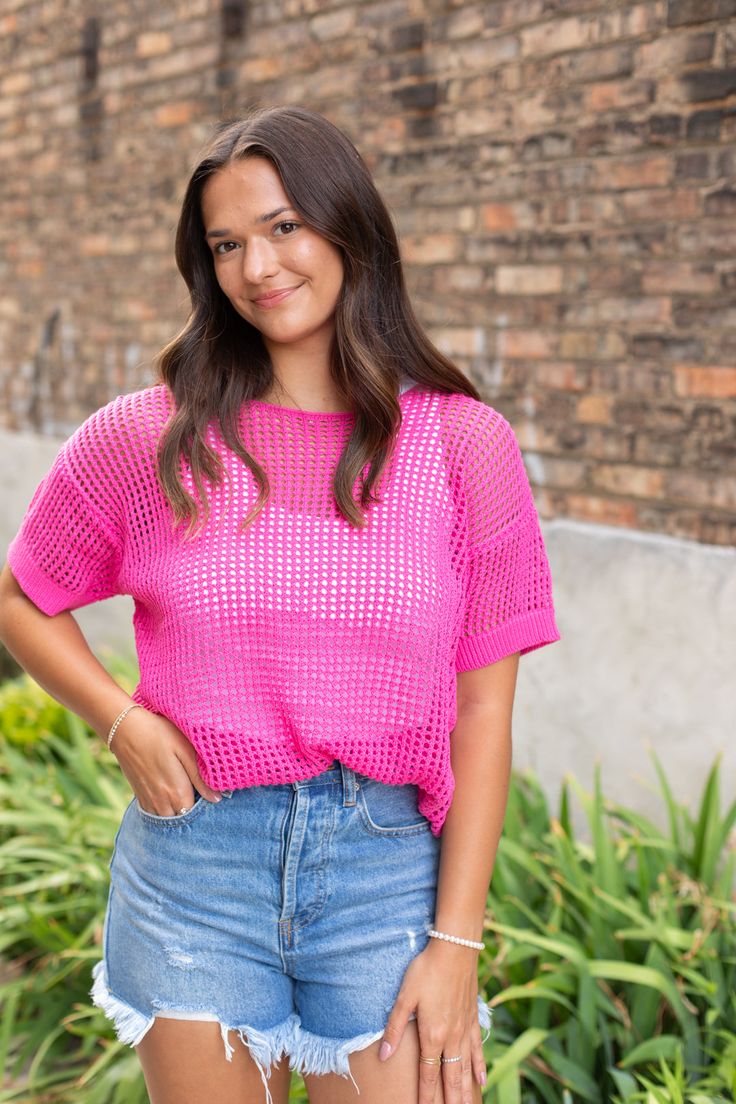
<point x="118" y="719"/>
<point x="457" y="939"/>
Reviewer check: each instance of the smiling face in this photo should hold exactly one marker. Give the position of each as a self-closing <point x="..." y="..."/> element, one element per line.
<point x="260" y="245"/>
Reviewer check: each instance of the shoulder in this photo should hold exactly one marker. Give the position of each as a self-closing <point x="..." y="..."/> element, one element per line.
<point x="486" y="464"/>
<point x="476" y="433"/>
<point x="124" y="428"/>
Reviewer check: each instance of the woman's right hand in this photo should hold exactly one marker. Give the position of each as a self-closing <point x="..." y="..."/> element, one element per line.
<point x="159" y="763"/>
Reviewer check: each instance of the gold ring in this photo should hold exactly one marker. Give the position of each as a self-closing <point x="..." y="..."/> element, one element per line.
<point x="430" y="1061"/>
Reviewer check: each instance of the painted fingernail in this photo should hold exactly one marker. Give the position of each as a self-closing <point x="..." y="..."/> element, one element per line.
<point x="482" y="1077"/>
<point x="385" y="1050"/>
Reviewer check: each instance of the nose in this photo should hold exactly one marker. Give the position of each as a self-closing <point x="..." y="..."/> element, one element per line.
<point x="259" y="262"/>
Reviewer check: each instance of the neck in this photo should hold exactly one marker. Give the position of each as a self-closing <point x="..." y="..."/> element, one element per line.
<point x="301" y="397"/>
<point x="301" y="372"/>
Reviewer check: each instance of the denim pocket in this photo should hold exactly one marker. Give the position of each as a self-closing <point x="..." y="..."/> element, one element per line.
<point x="387" y="809"/>
<point x="178" y="818"/>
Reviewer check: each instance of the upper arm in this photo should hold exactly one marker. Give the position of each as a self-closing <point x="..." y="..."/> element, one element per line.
<point x="9" y="585"/>
<point x="492" y="686"/>
<point x="68" y="549"/>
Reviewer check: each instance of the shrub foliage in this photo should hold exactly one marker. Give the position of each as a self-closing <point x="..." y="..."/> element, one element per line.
<point x="610" y="962"/>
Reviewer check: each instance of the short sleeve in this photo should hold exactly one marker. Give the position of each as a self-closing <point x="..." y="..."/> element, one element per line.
<point x="508" y="603"/>
<point x="66" y="553"/>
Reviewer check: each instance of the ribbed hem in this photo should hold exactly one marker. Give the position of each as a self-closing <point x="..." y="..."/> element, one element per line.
<point x="523" y="634"/>
<point x="50" y="598"/>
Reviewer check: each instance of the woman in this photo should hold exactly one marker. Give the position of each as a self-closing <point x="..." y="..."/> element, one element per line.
<point x="320" y="742"/>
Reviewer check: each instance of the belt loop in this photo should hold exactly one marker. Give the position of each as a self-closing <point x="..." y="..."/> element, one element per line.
<point x="348" y="784"/>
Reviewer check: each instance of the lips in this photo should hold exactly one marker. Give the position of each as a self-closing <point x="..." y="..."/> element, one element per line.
<point x="275" y="297"/>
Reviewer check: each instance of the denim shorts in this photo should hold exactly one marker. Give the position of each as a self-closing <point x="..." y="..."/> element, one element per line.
<point x="286" y="913"/>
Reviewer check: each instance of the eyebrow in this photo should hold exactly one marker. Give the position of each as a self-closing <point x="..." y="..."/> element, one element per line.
<point x="261" y="218"/>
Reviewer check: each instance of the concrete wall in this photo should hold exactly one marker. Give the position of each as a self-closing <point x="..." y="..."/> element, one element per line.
<point x="648" y="627"/>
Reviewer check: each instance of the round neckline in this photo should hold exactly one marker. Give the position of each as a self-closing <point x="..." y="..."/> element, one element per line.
<point x="317" y="413"/>
<point x="310" y="413"/>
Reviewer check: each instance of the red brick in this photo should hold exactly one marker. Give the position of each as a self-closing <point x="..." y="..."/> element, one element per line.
<point x="661" y="277"/>
<point x="653" y="206"/>
<point x="701" y="381"/>
<point x="643" y="172"/>
<point x="616" y="95"/>
<point x="563" y="376"/>
<point x="151" y="43"/>
<point x="528" y="279"/>
<point x="594" y="408"/>
<point x="498" y="216"/>
<point x="529" y="344"/>
<point x="602" y="510"/>
<point x="701" y="489"/>
<point x="628" y="479"/>
<point x="175" y="114"/>
<point x="433" y="249"/>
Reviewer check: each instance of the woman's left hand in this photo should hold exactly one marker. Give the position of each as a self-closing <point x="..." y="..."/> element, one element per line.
<point x="441" y="986"/>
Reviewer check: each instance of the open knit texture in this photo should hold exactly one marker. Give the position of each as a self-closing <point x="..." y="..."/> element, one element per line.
<point x="302" y="639"/>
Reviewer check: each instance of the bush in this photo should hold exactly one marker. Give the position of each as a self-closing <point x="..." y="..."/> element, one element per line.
<point x="610" y="965"/>
<point x="614" y="962"/>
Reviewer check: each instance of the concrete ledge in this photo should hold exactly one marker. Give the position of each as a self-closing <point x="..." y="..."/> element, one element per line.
<point x="648" y="627"/>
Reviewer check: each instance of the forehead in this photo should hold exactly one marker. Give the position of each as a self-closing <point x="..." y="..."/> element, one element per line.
<point x="245" y="187"/>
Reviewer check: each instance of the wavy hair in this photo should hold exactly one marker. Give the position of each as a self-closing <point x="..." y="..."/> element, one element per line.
<point x="218" y="361"/>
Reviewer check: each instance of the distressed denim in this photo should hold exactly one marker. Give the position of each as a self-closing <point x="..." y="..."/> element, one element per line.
<point x="287" y="913"/>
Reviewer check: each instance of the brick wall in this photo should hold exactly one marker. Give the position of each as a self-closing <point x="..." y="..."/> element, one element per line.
<point x="562" y="175"/>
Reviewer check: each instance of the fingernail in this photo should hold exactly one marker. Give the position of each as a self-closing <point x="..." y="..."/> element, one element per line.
<point x="385" y="1050"/>
<point x="482" y="1077"/>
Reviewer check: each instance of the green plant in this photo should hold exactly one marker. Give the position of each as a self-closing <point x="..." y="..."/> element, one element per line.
<point x="615" y="959"/>
<point x="610" y="964"/>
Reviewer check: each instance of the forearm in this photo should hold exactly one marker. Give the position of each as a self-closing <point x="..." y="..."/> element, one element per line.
<point x="54" y="652"/>
<point x="481" y="749"/>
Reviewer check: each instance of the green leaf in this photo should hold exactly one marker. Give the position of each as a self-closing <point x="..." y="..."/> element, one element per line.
<point x="662" y="1046"/>
<point x="513" y="1057"/>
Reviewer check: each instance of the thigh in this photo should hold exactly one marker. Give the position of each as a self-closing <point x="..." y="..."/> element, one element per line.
<point x="395" y="1081"/>
<point x="183" y="1063"/>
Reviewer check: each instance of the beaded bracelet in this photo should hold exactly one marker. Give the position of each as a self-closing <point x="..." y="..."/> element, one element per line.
<point x="118" y="719"/>
<point x="457" y="939"/>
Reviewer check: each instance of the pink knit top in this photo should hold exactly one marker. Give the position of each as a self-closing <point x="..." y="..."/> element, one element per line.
<point x="302" y="639"/>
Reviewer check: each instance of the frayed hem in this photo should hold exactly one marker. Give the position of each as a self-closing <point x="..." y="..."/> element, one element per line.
<point x="316" y="1054"/>
<point x="265" y="1047"/>
<point x="130" y="1025"/>
<point x="485" y="1017"/>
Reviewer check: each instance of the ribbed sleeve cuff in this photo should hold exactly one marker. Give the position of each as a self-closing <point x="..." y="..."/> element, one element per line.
<point x="523" y="634"/>
<point x="47" y="595"/>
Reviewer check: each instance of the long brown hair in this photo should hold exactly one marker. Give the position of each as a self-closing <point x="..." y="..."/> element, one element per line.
<point x="218" y="361"/>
